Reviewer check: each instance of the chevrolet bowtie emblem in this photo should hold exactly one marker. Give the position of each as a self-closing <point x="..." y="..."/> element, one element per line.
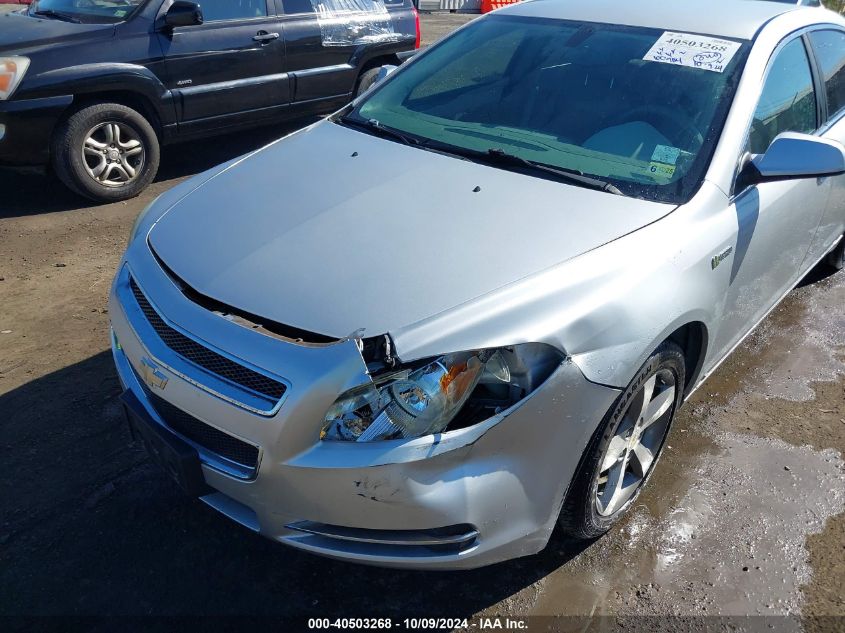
<point x="152" y="375"/>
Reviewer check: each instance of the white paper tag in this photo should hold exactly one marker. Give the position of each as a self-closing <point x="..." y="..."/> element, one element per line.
<point x="695" y="51"/>
<point x="666" y="154"/>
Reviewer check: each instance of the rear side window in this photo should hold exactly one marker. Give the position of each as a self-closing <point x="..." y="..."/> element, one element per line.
<point x="216" y="10"/>
<point x="292" y="7"/>
<point x="788" y="101"/>
<point x="829" y="47"/>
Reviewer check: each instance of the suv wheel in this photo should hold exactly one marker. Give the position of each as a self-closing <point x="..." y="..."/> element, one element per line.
<point x="626" y="446"/>
<point x="367" y="79"/>
<point x="106" y="152"/>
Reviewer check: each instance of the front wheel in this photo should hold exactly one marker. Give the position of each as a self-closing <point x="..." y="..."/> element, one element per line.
<point x="622" y="454"/>
<point x="106" y="152"/>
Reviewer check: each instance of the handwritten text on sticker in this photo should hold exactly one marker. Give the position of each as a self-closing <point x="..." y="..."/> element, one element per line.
<point x="695" y="51"/>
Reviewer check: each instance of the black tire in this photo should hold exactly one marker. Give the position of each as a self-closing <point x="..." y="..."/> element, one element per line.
<point x="836" y="258"/>
<point x="69" y="160"/>
<point x="367" y="79"/>
<point x="580" y="517"/>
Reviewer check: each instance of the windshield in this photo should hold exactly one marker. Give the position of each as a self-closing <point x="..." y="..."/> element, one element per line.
<point x="102" y="11"/>
<point x="638" y="108"/>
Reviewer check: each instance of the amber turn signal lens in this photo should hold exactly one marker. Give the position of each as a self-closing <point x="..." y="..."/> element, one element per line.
<point x="12" y="70"/>
<point x="7" y="73"/>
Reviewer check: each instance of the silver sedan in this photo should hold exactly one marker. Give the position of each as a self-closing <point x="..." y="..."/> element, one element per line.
<point x="466" y="308"/>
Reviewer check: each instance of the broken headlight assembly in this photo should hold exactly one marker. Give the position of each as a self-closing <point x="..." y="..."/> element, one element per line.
<point x="445" y="393"/>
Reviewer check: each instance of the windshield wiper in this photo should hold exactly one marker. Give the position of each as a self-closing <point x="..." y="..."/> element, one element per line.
<point x="492" y="155"/>
<point x="374" y="127"/>
<point x="498" y="155"/>
<point x="56" y="15"/>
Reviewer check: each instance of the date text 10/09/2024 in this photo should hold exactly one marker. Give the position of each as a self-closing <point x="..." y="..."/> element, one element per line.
<point x="417" y="624"/>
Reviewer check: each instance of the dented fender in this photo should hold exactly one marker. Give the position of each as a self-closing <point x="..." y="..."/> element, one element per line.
<point x="607" y="309"/>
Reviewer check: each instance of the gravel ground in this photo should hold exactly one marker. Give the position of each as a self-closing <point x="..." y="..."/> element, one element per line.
<point x="744" y="515"/>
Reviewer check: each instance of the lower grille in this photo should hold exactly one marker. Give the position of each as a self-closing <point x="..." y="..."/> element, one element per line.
<point x="204" y="435"/>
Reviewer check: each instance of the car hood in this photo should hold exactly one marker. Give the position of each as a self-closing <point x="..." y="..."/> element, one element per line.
<point x="336" y="232"/>
<point x="19" y="32"/>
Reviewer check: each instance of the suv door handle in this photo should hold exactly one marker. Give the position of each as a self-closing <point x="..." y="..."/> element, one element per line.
<point x="264" y="36"/>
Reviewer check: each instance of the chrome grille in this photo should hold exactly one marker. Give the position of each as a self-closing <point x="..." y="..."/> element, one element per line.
<point x="203" y="357"/>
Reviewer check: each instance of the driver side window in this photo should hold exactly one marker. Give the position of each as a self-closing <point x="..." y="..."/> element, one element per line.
<point x="787" y="102"/>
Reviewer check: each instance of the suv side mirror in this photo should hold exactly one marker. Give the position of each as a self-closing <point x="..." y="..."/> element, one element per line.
<point x="183" y="13"/>
<point x="793" y="155"/>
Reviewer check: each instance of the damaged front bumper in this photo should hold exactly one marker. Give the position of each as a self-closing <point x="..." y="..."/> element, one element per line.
<point x="461" y="499"/>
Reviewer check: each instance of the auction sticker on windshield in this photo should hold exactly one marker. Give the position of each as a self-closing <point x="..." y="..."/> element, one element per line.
<point x="695" y="51"/>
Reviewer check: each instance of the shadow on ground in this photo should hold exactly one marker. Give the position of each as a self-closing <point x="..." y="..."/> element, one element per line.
<point x="818" y="273"/>
<point x="34" y="193"/>
<point x="90" y="527"/>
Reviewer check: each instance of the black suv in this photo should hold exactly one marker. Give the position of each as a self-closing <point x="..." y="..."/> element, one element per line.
<point x="94" y="87"/>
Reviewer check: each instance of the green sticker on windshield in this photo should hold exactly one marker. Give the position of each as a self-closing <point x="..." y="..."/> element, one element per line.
<point x="661" y="169"/>
<point x="120" y="13"/>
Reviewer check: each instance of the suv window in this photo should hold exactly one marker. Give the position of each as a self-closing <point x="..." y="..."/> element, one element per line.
<point x="830" y="51"/>
<point x="292" y="7"/>
<point x="216" y="10"/>
<point x="788" y="101"/>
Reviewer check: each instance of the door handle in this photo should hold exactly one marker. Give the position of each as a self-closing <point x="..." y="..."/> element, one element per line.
<point x="264" y="36"/>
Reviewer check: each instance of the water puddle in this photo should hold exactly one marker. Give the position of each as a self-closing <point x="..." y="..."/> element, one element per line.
<point x="732" y="544"/>
<point x="802" y="342"/>
<point x="722" y="527"/>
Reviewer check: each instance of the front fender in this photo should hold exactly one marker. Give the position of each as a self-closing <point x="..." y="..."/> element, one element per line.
<point x="104" y="77"/>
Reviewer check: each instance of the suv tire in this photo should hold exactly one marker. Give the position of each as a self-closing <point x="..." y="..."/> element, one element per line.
<point x="367" y="79"/>
<point x="106" y="152"/>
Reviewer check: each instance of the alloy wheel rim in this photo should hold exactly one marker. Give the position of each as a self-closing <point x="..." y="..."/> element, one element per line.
<point x="113" y="154"/>
<point x="633" y="449"/>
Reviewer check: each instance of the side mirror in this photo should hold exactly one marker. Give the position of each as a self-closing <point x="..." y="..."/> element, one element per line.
<point x="793" y="155"/>
<point x="383" y="73"/>
<point x="183" y="13"/>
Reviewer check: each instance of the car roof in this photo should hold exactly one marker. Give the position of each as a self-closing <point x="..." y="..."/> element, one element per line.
<point x="740" y="19"/>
